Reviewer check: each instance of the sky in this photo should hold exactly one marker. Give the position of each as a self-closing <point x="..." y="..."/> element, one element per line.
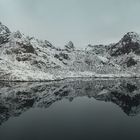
<point x="81" y="21"/>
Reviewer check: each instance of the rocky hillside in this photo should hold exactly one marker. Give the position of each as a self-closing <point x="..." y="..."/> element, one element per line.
<point x="24" y="58"/>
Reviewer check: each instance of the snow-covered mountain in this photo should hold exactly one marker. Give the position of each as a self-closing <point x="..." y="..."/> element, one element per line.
<point x="24" y="58"/>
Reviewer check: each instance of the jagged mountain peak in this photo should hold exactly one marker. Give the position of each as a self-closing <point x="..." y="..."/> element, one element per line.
<point x="17" y="34"/>
<point x="131" y="37"/>
<point x="4" y="29"/>
<point x="4" y="34"/>
<point x="132" y="34"/>
<point x="69" y="46"/>
<point x="130" y="43"/>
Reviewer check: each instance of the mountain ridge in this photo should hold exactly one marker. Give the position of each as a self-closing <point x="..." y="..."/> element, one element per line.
<point x="24" y="58"/>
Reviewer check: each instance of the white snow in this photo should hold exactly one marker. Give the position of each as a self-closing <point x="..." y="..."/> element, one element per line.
<point x="25" y="58"/>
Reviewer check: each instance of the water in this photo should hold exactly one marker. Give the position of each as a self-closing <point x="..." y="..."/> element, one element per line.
<point x="100" y="109"/>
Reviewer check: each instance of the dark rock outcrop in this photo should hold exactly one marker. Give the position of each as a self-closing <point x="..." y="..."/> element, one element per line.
<point x="129" y="43"/>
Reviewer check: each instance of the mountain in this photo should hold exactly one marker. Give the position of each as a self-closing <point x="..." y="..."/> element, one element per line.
<point x="129" y="43"/>
<point x="24" y="58"/>
<point x="18" y="97"/>
<point x="4" y="33"/>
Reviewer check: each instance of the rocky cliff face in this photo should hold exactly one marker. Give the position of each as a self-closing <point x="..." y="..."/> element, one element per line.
<point x="24" y="58"/>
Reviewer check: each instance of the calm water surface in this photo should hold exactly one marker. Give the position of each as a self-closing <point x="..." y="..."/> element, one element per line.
<point x="101" y="109"/>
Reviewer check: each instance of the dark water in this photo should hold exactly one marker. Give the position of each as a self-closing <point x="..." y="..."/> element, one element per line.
<point x="96" y="109"/>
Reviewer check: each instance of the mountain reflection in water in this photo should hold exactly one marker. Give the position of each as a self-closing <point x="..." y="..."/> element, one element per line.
<point x="18" y="98"/>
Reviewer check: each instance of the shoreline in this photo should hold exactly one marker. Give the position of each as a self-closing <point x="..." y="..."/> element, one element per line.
<point x="77" y="78"/>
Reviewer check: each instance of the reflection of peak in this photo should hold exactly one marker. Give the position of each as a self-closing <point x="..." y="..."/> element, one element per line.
<point x="127" y="103"/>
<point x="16" y="98"/>
<point x="124" y="93"/>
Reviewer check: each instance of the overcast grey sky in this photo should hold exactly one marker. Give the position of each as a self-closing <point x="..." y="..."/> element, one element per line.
<point x="82" y="21"/>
